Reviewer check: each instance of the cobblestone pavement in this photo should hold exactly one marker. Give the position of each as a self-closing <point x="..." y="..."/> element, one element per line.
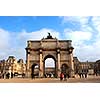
<point x="90" y="79"/>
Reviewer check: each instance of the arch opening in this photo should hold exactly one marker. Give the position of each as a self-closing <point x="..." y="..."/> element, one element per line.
<point x="49" y="66"/>
<point x="49" y="62"/>
<point x="35" y="71"/>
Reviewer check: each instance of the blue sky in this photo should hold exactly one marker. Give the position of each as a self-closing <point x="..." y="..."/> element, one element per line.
<point x="29" y="23"/>
<point x="84" y="31"/>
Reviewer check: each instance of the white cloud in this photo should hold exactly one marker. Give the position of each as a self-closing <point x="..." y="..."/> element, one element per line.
<point x="4" y="43"/>
<point x="96" y="21"/>
<point x="86" y="41"/>
<point x="78" y="19"/>
<point x="14" y="44"/>
<point x="37" y="35"/>
<point x="96" y="26"/>
<point x="4" y="39"/>
<point x="77" y="36"/>
<point x="81" y="49"/>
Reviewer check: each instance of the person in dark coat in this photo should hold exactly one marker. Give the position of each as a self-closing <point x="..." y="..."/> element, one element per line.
<point x="3" y="75"/>
<point x="82" y="75"/>
<point x="65" y="76"/>
<point x="79" y="75"/>
<point x="32" y="76"/>
<point x="7" y="75"/>
<point x="85" y="75"/>
<point x="23" y="75"/>
<point x="11" y="75"/>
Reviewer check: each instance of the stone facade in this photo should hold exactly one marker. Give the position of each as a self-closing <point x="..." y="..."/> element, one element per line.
<point x="97" y="68"/>
<point x="11" y="65"/>
<point x="21" y="67"/>
<point x="83" y="66"/>
<point x="38" y="51"/>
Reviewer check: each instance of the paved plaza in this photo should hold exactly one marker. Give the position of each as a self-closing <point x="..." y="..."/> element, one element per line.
<point x="91" y="79"/>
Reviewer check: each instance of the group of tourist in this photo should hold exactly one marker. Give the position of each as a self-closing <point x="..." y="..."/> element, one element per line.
<point x="49" y="75"/>
<point x="8" y="75"/>
<point x="83" y="74"/>
<point x="46" y="75"/>
<point x="63" y="76"/>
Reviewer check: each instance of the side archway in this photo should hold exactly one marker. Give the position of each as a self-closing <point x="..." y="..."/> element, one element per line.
<point x="34" y="70"/>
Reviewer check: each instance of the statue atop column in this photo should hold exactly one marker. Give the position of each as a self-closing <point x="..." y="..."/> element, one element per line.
<point x="49" y="36"/>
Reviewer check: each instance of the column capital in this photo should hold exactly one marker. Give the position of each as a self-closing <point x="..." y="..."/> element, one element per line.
<point x="70" y="50"/>
<point x="58" y="50"/>
<point x="40" y="51"/>
<point x="28" y="52"/>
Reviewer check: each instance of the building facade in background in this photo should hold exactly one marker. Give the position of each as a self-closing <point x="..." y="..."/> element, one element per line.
<point x="12" y="66"/>
<point x="84" y="67"/>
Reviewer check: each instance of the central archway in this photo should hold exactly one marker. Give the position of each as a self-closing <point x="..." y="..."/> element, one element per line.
<point x="49" y="66"/>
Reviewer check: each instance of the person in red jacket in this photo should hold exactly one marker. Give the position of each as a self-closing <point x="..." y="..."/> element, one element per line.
<point x="61" y="76"/>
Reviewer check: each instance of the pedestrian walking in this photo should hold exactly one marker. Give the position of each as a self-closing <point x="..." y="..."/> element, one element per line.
<point x="11" y="75"/>
<point x="65" y="77"/>
<point x="79" y="75"/>
<point x="61" y="76"/>
<point x="32" y="76"/>
<point x="23" y="75"/>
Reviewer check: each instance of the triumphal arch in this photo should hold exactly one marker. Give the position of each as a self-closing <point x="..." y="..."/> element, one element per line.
<point x="39" y="50"/>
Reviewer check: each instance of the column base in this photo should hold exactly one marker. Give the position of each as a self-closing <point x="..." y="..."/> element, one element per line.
<point x="41" y="74"/>
<point x="72" y="74"/>
<point x="58" y="74"/>
<point x="28" y="75"/>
